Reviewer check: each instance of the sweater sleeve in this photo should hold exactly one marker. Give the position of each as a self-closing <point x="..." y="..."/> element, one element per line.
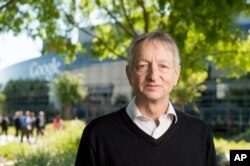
<point x="210" y="151"/>
<point x="86" y="154"/>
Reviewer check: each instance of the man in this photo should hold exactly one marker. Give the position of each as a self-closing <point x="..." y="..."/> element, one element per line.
<point x="17" y="122"/>
<point x="149" y="131"/>
<point x="5" y="125"/>
<point x="40" y="124"/>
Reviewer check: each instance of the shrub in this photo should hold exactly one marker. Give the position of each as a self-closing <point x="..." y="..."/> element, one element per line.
<point x="54" y="148"/>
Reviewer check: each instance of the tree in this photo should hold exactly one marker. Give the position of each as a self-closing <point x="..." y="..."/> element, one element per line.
<point x="2" y="99"/>
<point x="69" y="89"/>
<point x="204" y="30"/>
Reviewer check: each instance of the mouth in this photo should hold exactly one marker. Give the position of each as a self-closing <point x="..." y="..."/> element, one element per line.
<point x="152" y="86"/>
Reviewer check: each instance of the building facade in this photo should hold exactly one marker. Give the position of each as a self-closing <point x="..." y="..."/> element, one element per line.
<point x="108" y="88"/>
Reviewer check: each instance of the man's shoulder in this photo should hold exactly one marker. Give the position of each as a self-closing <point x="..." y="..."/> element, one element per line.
<point x="106" y="121"/>
<point x="190" y="120"/>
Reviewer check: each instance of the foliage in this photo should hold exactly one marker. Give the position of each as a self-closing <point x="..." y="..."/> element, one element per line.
<point x="68" y="89"/>
<point x="55" y="148"/>
<point x="243" y="136"/>
<point x="195" y="86"/>
<point x="224" y="146"/>
<point x="204" y="30"/>
<point x="11" y="150"/>
<point x="2" y="97"/>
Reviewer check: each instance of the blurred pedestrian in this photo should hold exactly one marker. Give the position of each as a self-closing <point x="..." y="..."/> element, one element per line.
<point x="17" y="123"/>
<point x="40" y="123"/>
<point x="5" y="124"/>
<point x="57" y="122"/>
<point x="25" y="126"/>
<point x="33" y="122"/>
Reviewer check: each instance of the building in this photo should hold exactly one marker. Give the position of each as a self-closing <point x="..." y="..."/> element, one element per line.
<point x="106" y="80"/>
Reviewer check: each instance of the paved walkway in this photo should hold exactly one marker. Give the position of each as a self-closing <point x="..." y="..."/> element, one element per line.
<point x="10" y="138"/>
<point x="3" y="162"/>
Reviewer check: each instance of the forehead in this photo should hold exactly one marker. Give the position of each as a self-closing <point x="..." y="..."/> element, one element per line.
<point x="155" y="48"/>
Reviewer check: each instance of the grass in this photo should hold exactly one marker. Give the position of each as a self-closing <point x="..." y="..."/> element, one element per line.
<point x="54" y="148"/>
<point x="241" y="141"/>
<point x="224" y="145"/>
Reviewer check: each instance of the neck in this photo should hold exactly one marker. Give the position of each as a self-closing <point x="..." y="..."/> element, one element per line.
<point x="152" y="109"/>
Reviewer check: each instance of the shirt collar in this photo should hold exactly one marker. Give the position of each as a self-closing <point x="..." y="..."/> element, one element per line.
<point x="134" y="112"/>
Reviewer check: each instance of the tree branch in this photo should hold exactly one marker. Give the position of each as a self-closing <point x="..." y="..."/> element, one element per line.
<point x="194" y="61"/>
<point x="118" y="22"/>
<point x="84" y="30"/>
<point x="158" y="10"/>
<point x="228" y="52"/>
<point x="127" y="18"/>
<point x="6" y="4"/>
<point x="162" y="14"/>
<point x="145" y="15"/>
<point x="100" y="39"/>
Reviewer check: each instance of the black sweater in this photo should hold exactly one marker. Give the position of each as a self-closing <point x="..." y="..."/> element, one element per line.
<point x="114" y="140"/>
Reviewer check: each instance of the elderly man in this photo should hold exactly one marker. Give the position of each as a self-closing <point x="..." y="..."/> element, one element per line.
<point x="149" y="131"/>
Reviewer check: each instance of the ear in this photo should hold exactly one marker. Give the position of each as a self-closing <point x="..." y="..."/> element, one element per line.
<point x="177" y="74"/>
<point x="128" y="73"/>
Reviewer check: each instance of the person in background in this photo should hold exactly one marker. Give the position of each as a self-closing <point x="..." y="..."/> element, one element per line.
<point x="4" y="125"/>
<point x="40" y="123"/>
<point x="25" y="126"/>
<point x="57" y="122"/>
<point x="17" y="123"/>
<point x="149" y="131"/>
<point x="33" y="122"/>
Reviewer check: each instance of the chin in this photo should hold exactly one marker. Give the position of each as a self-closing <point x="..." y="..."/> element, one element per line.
<point x="153" y="97"/>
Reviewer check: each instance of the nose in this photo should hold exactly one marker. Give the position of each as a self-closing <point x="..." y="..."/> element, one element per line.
<point x="153" y="73"/>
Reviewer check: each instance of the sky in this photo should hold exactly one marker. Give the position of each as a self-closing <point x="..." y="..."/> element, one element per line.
<point x="14" y="49"/>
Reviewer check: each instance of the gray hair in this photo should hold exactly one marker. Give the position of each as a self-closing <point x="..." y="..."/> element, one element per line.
<point x="163" y="38"/>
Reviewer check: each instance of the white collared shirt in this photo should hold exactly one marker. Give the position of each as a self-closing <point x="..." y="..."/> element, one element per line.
<point x="148" y="125"/>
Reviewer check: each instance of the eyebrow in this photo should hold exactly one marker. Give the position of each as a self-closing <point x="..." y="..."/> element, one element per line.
<point x="148" y="61"/>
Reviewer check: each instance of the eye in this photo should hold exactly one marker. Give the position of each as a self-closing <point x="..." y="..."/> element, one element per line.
<point x="142" y="67"/>
<point x="163" y="67"/>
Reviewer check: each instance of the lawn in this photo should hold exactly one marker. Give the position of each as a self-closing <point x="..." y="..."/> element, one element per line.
<point x="56" y="147"/>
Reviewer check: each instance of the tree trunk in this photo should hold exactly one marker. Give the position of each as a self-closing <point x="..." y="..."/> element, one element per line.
<point x="67" y="112"/>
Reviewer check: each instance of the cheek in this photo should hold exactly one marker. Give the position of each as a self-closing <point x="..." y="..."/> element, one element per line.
<point x="169" y="80"/>
<point x="137" y="81"/>
<point x="141" y="79"/>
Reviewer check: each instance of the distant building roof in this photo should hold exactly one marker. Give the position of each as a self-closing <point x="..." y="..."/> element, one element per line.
<point x="46" y="67"/>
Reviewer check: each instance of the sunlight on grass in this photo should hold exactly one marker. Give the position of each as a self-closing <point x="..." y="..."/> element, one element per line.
<point x="56" y="147"/>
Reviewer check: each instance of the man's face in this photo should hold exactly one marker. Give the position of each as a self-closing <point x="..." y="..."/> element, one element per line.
<point x="153" y="74"/>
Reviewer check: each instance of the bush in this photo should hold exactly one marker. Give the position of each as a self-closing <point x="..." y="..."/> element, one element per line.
<point x="223" y="147"/>
<point x="243" y="136"/>
<point x="55" y="148"/>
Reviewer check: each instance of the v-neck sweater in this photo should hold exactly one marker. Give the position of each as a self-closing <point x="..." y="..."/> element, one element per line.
<point x="114" y="140"/>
